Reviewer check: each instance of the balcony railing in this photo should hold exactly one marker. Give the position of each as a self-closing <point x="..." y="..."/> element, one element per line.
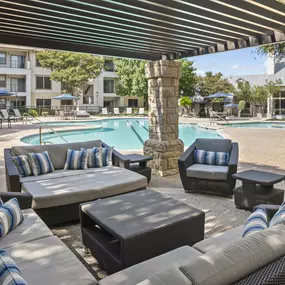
<point x="13" y="64"/>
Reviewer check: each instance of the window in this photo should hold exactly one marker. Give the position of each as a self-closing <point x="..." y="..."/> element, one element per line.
<point x="2" y="81"/>
<point x="17" y="61"/>
<point x="282" y="94"/>
<point x="109" y="65"/>
<point x="42" y="103"/>
<point x="43" y="82"/>
<point x="17" y="84"/>
<point x="107" y="103"/>
<point x="109" y="86"/>
<point x="38" y="64"/>
<point x="2" y="58"/>
<point x="132" y="102"/>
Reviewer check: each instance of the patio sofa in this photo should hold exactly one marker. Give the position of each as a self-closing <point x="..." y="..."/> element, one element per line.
<point x="209" y="178"/>
<point x="42" y="258"/>
<point x="225" y="259"/>
<point x="57" y="195"/>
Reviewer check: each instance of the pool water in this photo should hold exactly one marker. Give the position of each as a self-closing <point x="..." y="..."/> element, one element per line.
<point x="124" y="134"/>
<point x="262" y="125"/>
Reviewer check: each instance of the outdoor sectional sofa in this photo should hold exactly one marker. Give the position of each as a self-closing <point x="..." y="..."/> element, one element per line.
<point x="42" y="258"/>
<point x="57" y="195"/>
<point x="225" y="259"/>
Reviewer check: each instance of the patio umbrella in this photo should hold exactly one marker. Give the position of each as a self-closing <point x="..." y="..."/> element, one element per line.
<point x="4" y="92"/>
<point x="219" y="95"/>
<point x="65" y="97"/>
<point x="231" y="105"/>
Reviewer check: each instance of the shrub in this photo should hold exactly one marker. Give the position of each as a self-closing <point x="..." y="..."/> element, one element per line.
<point x="33" y="113"/>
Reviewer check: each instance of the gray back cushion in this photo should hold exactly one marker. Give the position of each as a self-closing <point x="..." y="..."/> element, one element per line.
<point x="57" y="152"/>
<point x="236" y="260"/>
<point x="218" y="145"/>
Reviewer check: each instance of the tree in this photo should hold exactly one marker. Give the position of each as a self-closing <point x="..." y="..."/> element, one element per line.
<point x="73" y="70"/>
<point x="212" y="83"/>
<point x="188" y="79"/>
<point x="241" y="107"/>
<point x="260" y="95"/>
<point x="185" y="102"/>
<point x="132" y="80"/>
<point x="243" y="91"/>
<point x="278" y="50"/>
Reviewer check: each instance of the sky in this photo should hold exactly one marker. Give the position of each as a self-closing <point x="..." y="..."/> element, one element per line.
<point x="237" y="62"/>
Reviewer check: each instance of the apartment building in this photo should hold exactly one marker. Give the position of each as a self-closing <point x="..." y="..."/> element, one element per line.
<point x="21" y="73"/>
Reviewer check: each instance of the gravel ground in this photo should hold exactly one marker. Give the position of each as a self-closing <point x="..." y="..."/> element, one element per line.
<point x="261" y="149"/>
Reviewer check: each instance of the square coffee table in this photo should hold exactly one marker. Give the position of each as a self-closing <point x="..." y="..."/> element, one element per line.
<point x="257" y="188"/>
<point x="123" y="230"/>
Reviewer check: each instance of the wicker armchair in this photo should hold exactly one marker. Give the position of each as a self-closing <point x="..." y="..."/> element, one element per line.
<point x="209" y="178"/>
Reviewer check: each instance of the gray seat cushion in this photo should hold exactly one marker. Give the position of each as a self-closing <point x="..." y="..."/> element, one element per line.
<point x="32" y="228"/>
<point x="236" y="260"/>
<point x="57" y="152"/>
<point x="218" y="145"/>
<point x="204" y="171"/>
<point x="48" y="261"/>
<point x="86" y="186"/>
<point x="219" y="240"/>
<point x="139" y="272"/>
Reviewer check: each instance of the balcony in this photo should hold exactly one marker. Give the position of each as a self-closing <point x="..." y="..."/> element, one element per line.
<point x="20" y="87"/>
<point x="13" y="64"/>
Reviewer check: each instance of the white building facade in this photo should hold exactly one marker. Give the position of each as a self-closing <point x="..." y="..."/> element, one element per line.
<point x="21" y="73"/>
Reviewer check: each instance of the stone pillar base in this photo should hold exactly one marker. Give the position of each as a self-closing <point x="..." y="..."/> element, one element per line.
<point x="165" y="155"/>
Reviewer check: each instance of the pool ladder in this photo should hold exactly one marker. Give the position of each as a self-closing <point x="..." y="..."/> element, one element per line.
<point x="40" y="130"/>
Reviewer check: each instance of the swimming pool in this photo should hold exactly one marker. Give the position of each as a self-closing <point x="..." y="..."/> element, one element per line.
<point x="124" y="134"/>
<point x="263" y="125"/>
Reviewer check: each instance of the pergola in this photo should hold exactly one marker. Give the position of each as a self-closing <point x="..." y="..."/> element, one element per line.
<point x="155" y="30"/>
<point x="146" y="29"/>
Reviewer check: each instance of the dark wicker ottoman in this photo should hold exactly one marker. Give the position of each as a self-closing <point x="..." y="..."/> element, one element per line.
<point x="123" y="230"/>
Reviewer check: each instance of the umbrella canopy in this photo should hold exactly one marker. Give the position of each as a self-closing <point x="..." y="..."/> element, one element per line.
<point x="5" y="93"/>
<point x="231" y="105"/>
<point x="65" y="97"/>
<point x="219" y="95"/>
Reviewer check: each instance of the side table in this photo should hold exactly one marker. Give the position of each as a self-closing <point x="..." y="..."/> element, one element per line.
<point x="138" y="164"/>
<point x="257" y="188"/>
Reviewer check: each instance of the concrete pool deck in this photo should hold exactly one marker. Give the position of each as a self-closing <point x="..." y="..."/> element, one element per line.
<point x="261" y="149"/>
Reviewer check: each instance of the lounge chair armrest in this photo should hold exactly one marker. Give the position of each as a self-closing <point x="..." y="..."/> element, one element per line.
<point x="119" y="159"/>
<point x="12" y="175"/>
<point x="234" y="154"/>
<point x="187" y="157"/>
<point x="25" y="199"/>
<point x="271" y="210"/>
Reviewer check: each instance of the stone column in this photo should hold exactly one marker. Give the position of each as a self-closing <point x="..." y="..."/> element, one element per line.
<point x="163" y="143"/>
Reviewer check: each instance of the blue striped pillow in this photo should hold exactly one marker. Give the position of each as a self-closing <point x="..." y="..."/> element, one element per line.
<point x="10" y="217"/>
<point x="279" y="217"/>
<point x="40" y="163"/>
<point x="23" y="166"/>
<point x="200" y="156"/>
<point x="94" y="157"/>
<point x="210" y="157"/>
<point x="222" y="158"/>
<point x="256" y="222"/>
<point x="9" y="271"/>
<point x="76" y="159"/>
<point x="107" y="153"/>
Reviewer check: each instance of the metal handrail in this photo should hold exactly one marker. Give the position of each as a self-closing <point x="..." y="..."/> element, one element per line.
<point x="218" y="116"/>
<point x="44" y="124"/>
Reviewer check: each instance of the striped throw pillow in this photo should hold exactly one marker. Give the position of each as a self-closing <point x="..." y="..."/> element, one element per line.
<point x="107" y="153"/>
<point x="256" y="222"/>
<point x="279" y="217"/>
<point x="94" y="157"/>
<point x="222" y="158"/>
<point x="40" y="163"/>
<point x="76" y="159"/>
<point x="210" y="158"/>
<point x="200" y="156"/>
<point x="10" y="216"/>
<point x="9" y="271"/>
<point x="23" y="166"/>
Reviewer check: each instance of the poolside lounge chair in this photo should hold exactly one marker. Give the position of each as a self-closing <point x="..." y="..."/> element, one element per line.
<point x="81" y="114"/>
<point x="105" y="111"/>
<point x="7" y="117"/>
<point x="141" y="111"/>
<point x="116" y="111"/>
<point x="18" y="114"/>
<point x="129" y="111"/>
